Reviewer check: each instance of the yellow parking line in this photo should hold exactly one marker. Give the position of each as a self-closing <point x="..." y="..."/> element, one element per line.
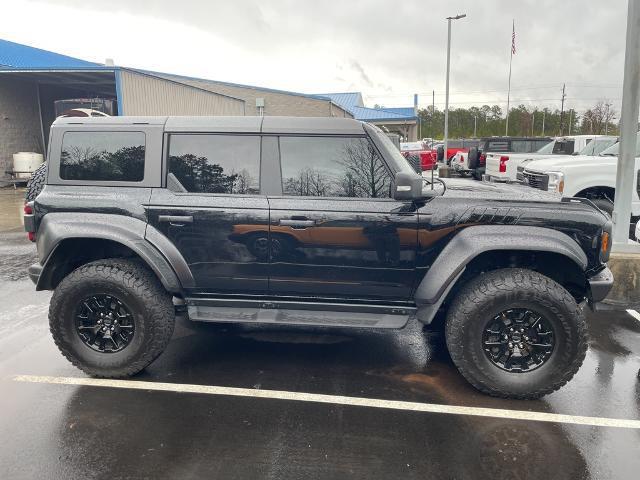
<point x="335" y="400"/>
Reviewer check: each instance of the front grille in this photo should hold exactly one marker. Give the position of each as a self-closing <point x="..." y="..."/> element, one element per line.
<point x="536" y="180"/>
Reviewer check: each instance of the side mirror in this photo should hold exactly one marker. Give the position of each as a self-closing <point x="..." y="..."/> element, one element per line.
<point x="407" y="186"/>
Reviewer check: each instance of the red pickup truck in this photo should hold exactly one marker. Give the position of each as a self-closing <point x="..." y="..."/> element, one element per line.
<point x="419" y="153"/>
<point x="455" y="146"/>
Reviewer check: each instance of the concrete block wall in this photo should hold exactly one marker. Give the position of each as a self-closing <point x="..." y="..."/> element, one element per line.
<point x="19" y="121"/>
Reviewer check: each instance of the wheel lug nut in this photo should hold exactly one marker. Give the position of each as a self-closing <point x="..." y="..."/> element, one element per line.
<point x="520" y="345"/>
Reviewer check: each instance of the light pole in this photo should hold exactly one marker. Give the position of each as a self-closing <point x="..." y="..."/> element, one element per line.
<point x="446" y="97"/>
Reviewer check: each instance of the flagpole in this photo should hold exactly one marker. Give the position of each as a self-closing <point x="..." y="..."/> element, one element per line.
<point x="506" y="129"/>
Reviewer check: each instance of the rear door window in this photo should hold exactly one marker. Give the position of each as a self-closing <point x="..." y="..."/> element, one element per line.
<point x="103" y="156"/>
<point x="497" y="146"/>
<point x="208" y="163"/>
<point x="521" y="146"/>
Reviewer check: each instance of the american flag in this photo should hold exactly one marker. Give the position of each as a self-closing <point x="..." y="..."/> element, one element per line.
<point x="513" y="39"/>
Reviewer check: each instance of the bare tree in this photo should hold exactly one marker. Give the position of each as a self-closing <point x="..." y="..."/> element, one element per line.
<point x="244" y="182"/>
<point x="599" y="119"/>
<point x="309" y="183"/>
<point x="366" y="175"/>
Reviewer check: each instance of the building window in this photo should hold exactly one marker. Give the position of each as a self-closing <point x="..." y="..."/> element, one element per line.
<point x="214" y="164"/>
<point x="333" y="167"/>
<point x="103" y="156"/>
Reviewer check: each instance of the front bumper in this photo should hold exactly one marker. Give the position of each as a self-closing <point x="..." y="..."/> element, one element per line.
<point x="34" y="272"/>
<point x="600" y="285"/>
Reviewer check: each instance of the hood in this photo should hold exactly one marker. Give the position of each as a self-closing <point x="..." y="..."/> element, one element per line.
<point x="560" y="162"/>
<point x="464" y="187"/>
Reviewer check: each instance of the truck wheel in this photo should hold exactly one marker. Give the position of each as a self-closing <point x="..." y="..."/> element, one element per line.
<point x="111" y="318"/>
<point x="515" y="333"/>
<point x="36" y="183"/>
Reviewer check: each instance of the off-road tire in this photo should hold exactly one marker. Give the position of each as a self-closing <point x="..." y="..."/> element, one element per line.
<point x="604" y="204"/>
<point x="151" y="308"/>
<point x="473" y="156"/>
<point x="36" y="183"/>
<point x="489" y="294"/>
<point x="414" y="161"/>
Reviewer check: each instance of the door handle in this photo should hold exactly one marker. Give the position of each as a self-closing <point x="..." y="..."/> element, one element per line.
<point x="176" y="220"/>
<point x="297" y="223"/>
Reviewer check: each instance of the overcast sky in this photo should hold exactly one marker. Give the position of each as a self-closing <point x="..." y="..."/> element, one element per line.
<point x="387" y="50"/>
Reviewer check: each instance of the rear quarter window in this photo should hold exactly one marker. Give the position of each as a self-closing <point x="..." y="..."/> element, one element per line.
<point x="497" y="146"/>
<point x="103" y="156"/>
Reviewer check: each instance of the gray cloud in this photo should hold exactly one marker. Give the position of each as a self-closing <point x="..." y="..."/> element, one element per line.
<point x="360" y="71"/>
<point x="391" y="49"/>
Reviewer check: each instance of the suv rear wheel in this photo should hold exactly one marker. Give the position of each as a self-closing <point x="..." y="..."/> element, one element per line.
<point x="516" y="333"/>
<point x="111" y="318"/>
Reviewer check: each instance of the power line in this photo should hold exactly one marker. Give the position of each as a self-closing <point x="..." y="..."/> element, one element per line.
<point x="463" y="92"/>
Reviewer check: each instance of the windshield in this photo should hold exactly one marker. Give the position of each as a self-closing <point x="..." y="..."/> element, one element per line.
<point x="548" y="148"/>
<point x="614" y="150"/>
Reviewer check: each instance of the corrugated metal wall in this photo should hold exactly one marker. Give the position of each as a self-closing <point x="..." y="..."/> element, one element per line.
<point x="148" y="95"/>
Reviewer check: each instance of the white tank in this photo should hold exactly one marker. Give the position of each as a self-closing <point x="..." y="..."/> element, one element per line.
<point x="26" y="163"/>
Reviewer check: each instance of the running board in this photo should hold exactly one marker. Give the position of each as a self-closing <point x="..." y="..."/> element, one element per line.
<point x="298" y="313"/>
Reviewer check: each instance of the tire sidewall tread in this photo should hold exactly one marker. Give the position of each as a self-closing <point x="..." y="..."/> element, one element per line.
<point x="513" y="288"/>
<point x="140" y="290"/>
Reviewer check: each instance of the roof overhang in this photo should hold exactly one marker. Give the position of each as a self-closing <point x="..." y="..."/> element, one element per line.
<point x="98" y="80"/>
<point x="393" y="121"/>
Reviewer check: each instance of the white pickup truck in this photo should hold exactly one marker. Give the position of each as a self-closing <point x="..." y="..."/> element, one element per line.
<point x="592" y="177"/>
<point x="504" y="167"/>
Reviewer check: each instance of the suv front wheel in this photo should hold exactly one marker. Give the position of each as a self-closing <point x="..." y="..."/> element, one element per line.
<point x="111" y="318"/>
<point x="516" y="333"/>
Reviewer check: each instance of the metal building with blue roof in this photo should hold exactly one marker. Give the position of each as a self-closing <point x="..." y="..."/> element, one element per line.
<point x="401" y="120"/>
<point x="35" y="84"/>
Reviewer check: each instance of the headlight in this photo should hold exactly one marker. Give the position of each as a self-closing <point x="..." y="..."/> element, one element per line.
<point x="556" y="182"/>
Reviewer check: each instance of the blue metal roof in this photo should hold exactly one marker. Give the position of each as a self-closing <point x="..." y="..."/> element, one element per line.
<point x="16" y="55"/>
<point x="347" y="100"/>
<point x="405" y="111"/>
<point x="377" y="114"/>
<point x="352" y="101"/>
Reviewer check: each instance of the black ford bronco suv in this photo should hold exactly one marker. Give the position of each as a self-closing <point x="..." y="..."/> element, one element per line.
<point x="304" y="221"/>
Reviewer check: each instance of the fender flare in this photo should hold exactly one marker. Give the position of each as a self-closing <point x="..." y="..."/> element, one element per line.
<point x="474" y="240"/>
<point x="154" y="249"/>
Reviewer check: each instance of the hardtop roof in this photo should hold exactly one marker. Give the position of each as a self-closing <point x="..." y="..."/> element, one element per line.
<point x="232" y="124"/>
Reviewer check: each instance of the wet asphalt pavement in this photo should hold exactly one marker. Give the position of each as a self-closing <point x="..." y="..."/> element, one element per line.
<point x="65" y="431"/>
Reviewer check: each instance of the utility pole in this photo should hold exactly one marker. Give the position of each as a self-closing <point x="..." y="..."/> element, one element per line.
<point x="562" y="110"/>
<point x="513" y="50"/>
<point x="625" y="177"/>
<point x="544" y="114"/>
<point x="533" y="121"/>
<point x="570" y="120"/>
<point x="475" y="126"/>
<point x="446" y="96"/>
<point x="433" y="115"/>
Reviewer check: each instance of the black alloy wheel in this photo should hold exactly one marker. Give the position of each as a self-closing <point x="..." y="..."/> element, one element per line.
<point x="518" y="340"/>
<point x="104" y="323"/>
